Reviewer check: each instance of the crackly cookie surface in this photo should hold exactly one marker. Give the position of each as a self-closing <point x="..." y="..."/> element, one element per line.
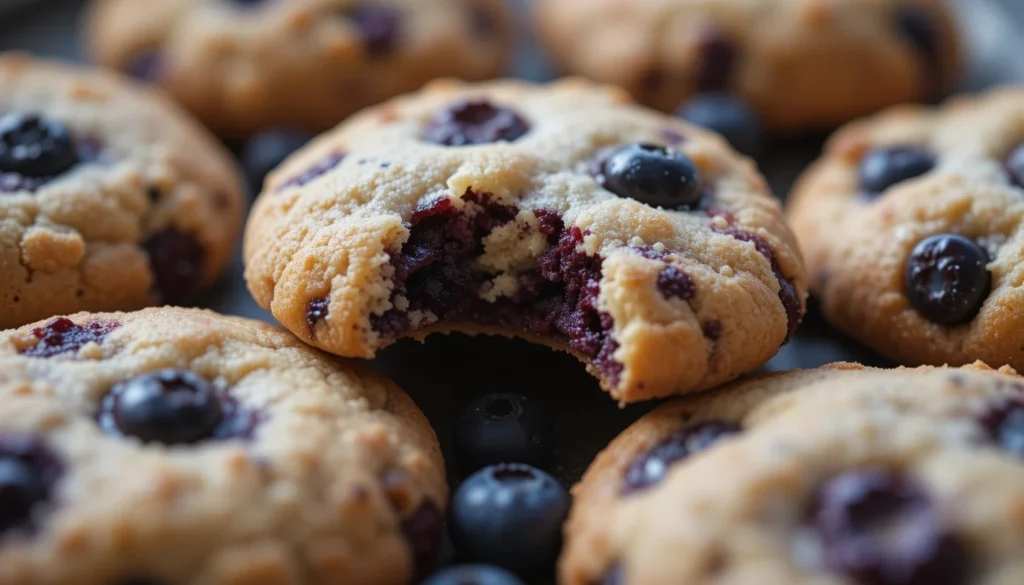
<point x="180" y="446"/>
<point x="244" y="65"/>
<point x="558" y="213"/>
<point x="801" y="64"/>
<point x="911" y="226"/>
<point x="110" y="197"/>
<point x="842" y="475"/>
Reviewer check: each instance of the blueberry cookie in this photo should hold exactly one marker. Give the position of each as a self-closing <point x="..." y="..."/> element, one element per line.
<point x="244" y="65"/>
<point x="842" y="475"/>
<point x="561" y="214"/>
<point x="177" y="446"/>
<point x="110" y="197"/>
<point x="911" y="225"/>
<point x="800" y="64"/>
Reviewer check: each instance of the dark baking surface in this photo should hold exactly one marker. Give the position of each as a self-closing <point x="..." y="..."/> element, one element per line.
<point x="443" y="374"/>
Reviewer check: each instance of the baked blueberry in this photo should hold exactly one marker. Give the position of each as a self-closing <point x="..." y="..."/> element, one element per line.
<point x="727" y="115"/>
<point x="651" y="174"/>
<point x="509" y="515"/>
<point x="502" y="428"/>
<point x="33" y="145"/>
<point x="717" y="56"/>
<point x="316" y="311"/>
<point x="473" y="575"/>
<point x="268" y="149"/>
<point x="1015" y="165"/>
<point x="315" y="171"/>
<point x="167" y="406"/>
<point x="380" y="26"/>
<point x="423" y="530"/>
<point x="62" y="336"/>
<point x="1004" y="423"/>
<point x="884" y="167"/>
<point x="880" y="528"/>
<point x="28" y="472"/>
<point x="946" y="279"/>
<point x="472" y="122"/>
<point x="652" y="466"/>
<point x="176" y="260"/>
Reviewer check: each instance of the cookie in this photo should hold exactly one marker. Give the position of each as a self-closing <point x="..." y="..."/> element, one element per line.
<point x="910" y="223"/>
<point x="110" y="197"/>
<point x="843" y="475"/>
<point x="244" y="65"/>
<point x="179" y="446"/>
<point x="801" y="64"/>
<point x="562" y="214"/>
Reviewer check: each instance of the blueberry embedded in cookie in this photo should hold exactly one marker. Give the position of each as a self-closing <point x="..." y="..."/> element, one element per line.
<point x="915" y="215"/>
<point x="220" y="446"/>
<point x="93" y="217"/>
<point x="562" y="214"/>
<point x="842" y="474"/>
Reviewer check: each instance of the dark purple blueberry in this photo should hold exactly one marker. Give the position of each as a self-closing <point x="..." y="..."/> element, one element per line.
<point x="946" y="279"/>
<point x="146" y="66"/>
<point x="176" y="260"/>
<point x="716" y="62"/>
<point x="1005" y="425"/>
<point x="652" y="174"/>
<point x="651" y="466"/>
<point x="473" y="575"/>
<point x="880" y="528"/>
<point x="884" y="167"/>
<point x="917" y="26"/>
<point x="423" y="531"/>
<point x="502" y="428"/>
<point x="168" y="406"/>
<point x="62" y="335"/>
<point x="314" y="172"/>
<point x="1015" y="165"/>
<point x="316" y="311"/>
<point x="32" y="145"/>
<point x="473" y="122"/>
<point x="674" y="283"/>
<point x="380" y="26"/>
<point x="28" y="473"/>
<point x="727" y="115"/>
<point x="509" y="515"/>
<point x="267" y="150"/>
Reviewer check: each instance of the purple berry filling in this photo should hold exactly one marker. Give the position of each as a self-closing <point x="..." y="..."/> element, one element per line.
<point x="314" y="172"/>
<point x="473" y="122"/>
<point x="423" y="530"/>
<point x="674" y="283"/>
<point x="316" y="311"/>
<point x="62" y="335"/>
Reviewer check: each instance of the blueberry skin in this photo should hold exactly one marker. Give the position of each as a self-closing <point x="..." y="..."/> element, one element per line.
<point x="167" y="406"/>
<point x="502" y="428"/>
<point x="726" y="115"/>
<point x="21" y="487"/>
<point x="35" y="146"/>
<point x="884" y="167"/>
<point x="268" y="149"/>
<point x="946" y="279"/>
<point x="473" y="575"/>
<point x="509" y="515"/>
<point x="652" y="174"/>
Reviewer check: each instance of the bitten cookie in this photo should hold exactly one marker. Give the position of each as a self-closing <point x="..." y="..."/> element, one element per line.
<point x="801" y="64"/>
<point x="244" y="65"/>
<point x="911" y="225"/>
<point x="179" y="446"/>
<point x="110" y="197"/>
<point x="842" y="475"/>
<point x="562" y="214"/>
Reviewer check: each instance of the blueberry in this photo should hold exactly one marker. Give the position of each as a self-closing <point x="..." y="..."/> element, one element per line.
<point x="474" y="122"/>
<point x="727" y="115"/>
<point x="63" y="336"/>
<point x="166" y="406"/>
<point x="28" y="472"/>
<point x="509" y="515"/>
<point x="652" y="465"/>
<point x="652" y="174"/>
<point x="315" y="171"/>
<point x="920" y="30"/>
<point x="1004" y="423"/>
<point x="884" y="167"/>
<point x="946" y="279"/>
<point x="1015" y="165"/>
<point x="473" y="575"/>
<point x="379" y="24"/>
<point x="268" y="149"/>
<point x="717" y="60"/>
<point x="176" y="259"/>
<point x="423" y="531"/>
<point x="32" y="145"/>
<point x="148" y="66"/>
<point x="502" y="428"/>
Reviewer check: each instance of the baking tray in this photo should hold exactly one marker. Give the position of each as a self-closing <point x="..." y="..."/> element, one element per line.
<point x="446" y="372"/>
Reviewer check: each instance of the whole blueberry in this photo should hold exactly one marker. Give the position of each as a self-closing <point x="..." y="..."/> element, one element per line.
<point x="167" y="406"/>
<point x="268" y="149"/>
<point x="884" y="167"/>
<point x="727" y="115"/>
<point x="946" y="279"/>
<point x="473" y="575"/>
<point x="28" y="472"/>
<point x="502" y="428"/>
<point x="653" y="464"/>
<point x="509" y="515"/>
<point x="33" y="145"/>
<point x="652" y="174"/>
<point x="1004" y="423"/>
<point x="1015" y="165"/>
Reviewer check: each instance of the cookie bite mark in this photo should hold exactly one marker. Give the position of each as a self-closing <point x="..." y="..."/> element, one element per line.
<point x="29" y="471"/>
<point x="177" y="261"/>
<point x="316" y="311"/>
<point x="651" y="466"/>
<point x="317" y="170"/>
<point x="63" y="336"/>
<point x="475" y="121"/>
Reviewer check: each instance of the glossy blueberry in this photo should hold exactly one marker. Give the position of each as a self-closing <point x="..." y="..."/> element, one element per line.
<point x="652" y="466"/>
<point x="28" y="472"/>
<point x="509" y="515"/>
<point x="884" y="167"/>
<point x="474" y="122"/>
<point x="176" y="259"/>
<point x="880" y="528"/>
<point x="268" y="149"/>
<point x="502" y="428"/>
<point x="379" y="24"/>
<point x="167" y="406"/>
<point x="946" y="279"/>
<point x="652" y="174"/>
<point x="1015" y="165"/>
<point x="727" y="115"/>
<point x="473" y="575"/>
<point x="1004" y="423"/>
<point x="32" y="145"/>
